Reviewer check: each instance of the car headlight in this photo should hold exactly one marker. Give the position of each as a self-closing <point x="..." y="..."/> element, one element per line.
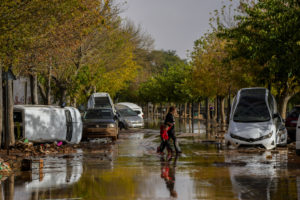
<point x="235" y="136"/>
<point x="111" y="125"/>
<point x="267" y="136"/>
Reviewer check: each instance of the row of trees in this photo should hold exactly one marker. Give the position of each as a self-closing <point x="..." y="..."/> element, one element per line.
<point x="69" y="49"/>
<point x="256" y="44"/>
<point x="73" y="48"/>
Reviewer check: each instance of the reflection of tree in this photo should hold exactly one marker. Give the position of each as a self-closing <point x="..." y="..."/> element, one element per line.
<point x="9" y="188"/>
<point x="168" y="174"/>
<point x="107" y="183"/>
<point x="209" y="181"/>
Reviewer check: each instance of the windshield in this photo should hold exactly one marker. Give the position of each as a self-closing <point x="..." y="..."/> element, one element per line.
<point x="251" y="108"/>
<point x="127" y="112"/>
<point x="98" y="114"/>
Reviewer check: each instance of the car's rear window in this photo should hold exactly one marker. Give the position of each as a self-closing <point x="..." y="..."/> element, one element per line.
<point x="98" y="114"/>
<point x="127" y="112"/>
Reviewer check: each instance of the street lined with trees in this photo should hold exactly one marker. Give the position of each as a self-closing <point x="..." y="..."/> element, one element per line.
<point x="73" y="48"/>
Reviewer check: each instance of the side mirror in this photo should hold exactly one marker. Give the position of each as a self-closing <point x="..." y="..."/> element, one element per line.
<point x="63" y="105"/>
<point x="276" y="115"/>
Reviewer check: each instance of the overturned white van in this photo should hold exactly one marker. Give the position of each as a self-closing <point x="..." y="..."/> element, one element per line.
<point x="39" y="123"/>
<point x="100" y="100"/>
<point x="255" y="121"/>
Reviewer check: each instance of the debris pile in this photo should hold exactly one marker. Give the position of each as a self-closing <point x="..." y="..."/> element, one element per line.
<point x="292" y="146"/>
<point x="4" y="167"/>
<point x="31" y="149"/>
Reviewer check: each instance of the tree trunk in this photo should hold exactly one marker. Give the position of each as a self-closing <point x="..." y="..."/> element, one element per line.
<point x="161" y="111"/>
<point x="199" y="113"/>
<point x="185" y="108"/>
<point x="49" y="87"/>
<point x="33" y="88"/>
<point x="179" y="111"/>
<point x="74" y="104"/>
<point x="229" y="106"/>
<point x="207" y="115"/>
<point x="11" y="114"/>
<point x="190" y="111"/>
<point x="222" y="109"/>
<point x="207" y="109"/>
<point x="148" y="113"/>
<point x="10" y="188"/>
<point x="43" y="93"/>
<point x="215" y="109"/>
<point x="153" y="111"/>
<point x="63" y="94"/>
<point x="283" y="101"/>
<point x="1" y="105"/>
<point x="25" y="93"/>
<point x="192" y="117"/>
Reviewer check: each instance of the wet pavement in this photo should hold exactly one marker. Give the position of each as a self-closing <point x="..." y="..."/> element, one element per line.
<point x="130" y="169"/>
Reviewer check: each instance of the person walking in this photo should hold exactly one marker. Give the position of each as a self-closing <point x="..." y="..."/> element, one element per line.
<point x="164" y="140"/>
<point x="170" y="120"/>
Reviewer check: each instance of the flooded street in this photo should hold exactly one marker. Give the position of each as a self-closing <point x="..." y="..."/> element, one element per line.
<point x="131" y="169"/>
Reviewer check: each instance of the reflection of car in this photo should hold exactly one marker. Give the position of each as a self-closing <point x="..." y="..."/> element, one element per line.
<point x="254" y="120"/>
<point x="100" y="123"/>
<point x="39" y="183"/>
<point x="291" y="122"/>
<point x="128" y="118"/>
<point x="134" y="107"/>
<point x="251" y="177"/>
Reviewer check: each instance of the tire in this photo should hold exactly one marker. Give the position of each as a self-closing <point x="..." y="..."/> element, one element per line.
<point x="114" y="138"/>
<point x="121" y="126"/>
<point x="298" y="152"/>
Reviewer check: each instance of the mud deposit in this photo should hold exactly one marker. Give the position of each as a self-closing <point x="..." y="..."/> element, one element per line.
<point x="130" y="169"/>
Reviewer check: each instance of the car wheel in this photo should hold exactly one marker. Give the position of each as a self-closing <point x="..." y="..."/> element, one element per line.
<point x="122" y="126"/>
<point x="298" y="152"/>
<point x="114" y="138"/>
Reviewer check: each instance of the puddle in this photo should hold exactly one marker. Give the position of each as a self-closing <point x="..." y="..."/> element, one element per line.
<point x="130" y="169"/>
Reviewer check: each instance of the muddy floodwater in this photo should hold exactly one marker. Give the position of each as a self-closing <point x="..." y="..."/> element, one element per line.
<point x="130" y="169"/>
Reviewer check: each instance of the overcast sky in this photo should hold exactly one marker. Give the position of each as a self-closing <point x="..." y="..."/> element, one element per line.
<point x="174" y="24"/>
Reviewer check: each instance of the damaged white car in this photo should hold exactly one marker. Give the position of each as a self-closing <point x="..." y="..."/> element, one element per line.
<point x="39" y="123"/>
<point x="255" y="121"/>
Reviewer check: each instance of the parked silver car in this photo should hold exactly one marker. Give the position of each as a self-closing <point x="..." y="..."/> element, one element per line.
<point x="128" y="118"/>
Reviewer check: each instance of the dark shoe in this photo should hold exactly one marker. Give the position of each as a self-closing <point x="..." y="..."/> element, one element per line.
<point x="158" y="150"/>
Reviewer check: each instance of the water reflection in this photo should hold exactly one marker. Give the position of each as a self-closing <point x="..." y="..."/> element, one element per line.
<point x="255" y="175"/>
<point x="42" y="182"/>
<point x="168" y="169"/>
<point x="132" y="170"/>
